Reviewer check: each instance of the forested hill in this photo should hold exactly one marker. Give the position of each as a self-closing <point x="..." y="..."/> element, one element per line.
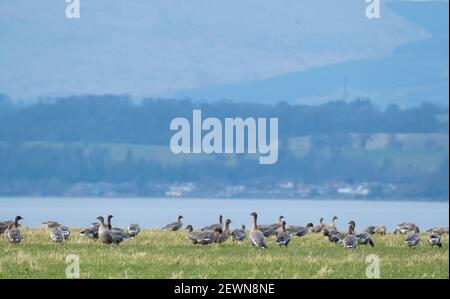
<point x="117" y="119"/>
<point x="110" y="145"/>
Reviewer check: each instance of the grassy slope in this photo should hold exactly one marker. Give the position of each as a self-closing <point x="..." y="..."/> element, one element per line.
<point x="157" y="254"/>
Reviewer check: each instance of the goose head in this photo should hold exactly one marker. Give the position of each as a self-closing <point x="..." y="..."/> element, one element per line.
<point x="283" y="225"/>
<point x="280" y="219"/>
<point x="255" y="216"/>
<point x="189" y="228"/>
<point x="180" y="217"/>
<point x="101" y="219"/>
<point x="16" y="221"/>
<point x="109" y="221"/>
<point x="351" y="227"/>
<point x="220" y="218"/>
<point x="243" y="226"/>
<point x="321" y="220"/>
<point x="310" y="225"/>
<point x="334" y="218"/>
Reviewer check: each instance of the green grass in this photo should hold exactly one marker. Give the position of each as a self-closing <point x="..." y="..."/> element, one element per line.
<point x="158" y="254"/>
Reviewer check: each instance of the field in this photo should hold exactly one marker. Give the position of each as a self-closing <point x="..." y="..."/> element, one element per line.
<point x="159" y="254"/>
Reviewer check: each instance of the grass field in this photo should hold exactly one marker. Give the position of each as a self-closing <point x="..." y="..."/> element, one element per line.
<point x="158" y="254"/>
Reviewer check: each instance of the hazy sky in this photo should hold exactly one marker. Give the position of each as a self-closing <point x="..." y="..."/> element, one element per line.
<point x="157" y="47"/>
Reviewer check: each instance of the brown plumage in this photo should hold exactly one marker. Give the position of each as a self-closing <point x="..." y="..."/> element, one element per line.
<point x="174" y="225"/>
<point x="223" y="237"/>
<point x="104" y="234"/>
<point x="215" y="226"/>
<point x="256" y="236"/>
<point x="12" y="232"/>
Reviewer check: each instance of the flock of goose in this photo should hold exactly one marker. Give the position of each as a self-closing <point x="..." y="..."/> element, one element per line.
<point x="220" y="232"/>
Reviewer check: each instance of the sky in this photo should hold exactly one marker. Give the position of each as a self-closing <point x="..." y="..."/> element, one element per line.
<point x="159" y="48"/>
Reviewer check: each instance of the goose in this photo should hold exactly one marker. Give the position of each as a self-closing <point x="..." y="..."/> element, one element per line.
<point x="64" y="230"/>
<point x="209" y="236"/>
<point x="256" y="236"/>
<point x="192" y="235"/>
<point x="213" y="227"/>
<point x="334" y="236"/>
<point x="174" y="225"/>
<point x="12" y="232"/>
<point x="266" y="230"/>
<point x="380" y="230"/>
<point x="277" y="225"/>
<point x="223" y="237"/>
<point x="118" y="234"/>
<point x="91" y="232"/>
<point x="56" y="235"/>
<point x="300" y="231"/>
<point x="438" y="229"/>
<point x="435" y="239"/>
<point x="412" y="239"/>
<point x="350" y="241"/>
<point x="363" y="238"/>
<point x="239" y="234"/>
<point x="133" y="230"/>
<point x="404" y="228"/>
<point x="330" y="226"/>
<point x="4" y="225"/>
<point x="271" y="229"/>
<point x="318" y="227"/>
<point x="370" y="229"/>
<point x="104" y="234"/>
<point x="283" y="237"/>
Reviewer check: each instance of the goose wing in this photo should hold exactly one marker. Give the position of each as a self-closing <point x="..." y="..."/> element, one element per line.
<point x="65" y="231"/>
<point x="238" y="234"/>
<point x="298" y="231"/>
<point x="412" y="239"/>
<point x="266" y="230"/>
<point x="364" y="238"/>
<point x="57" y="235"/>
<point x="13" y="235"/>
<point x="283" y="238"/>
<point x="206" y="237"/>
<point x="170" y="226"/>
<point x="257" y="238"/>
<point x="212" y="227"/>
<point x="119" y="236"/>
<point x="335" y="237"/>
<point x="194" y="236"/>
<point x="274" y="226"/>
<point x="223" y="237"/>
<point x="133" y="229"/>
<point x="91" y="232"/>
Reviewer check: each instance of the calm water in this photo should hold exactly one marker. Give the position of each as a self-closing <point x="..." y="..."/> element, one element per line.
<point x="79" y="212"/>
